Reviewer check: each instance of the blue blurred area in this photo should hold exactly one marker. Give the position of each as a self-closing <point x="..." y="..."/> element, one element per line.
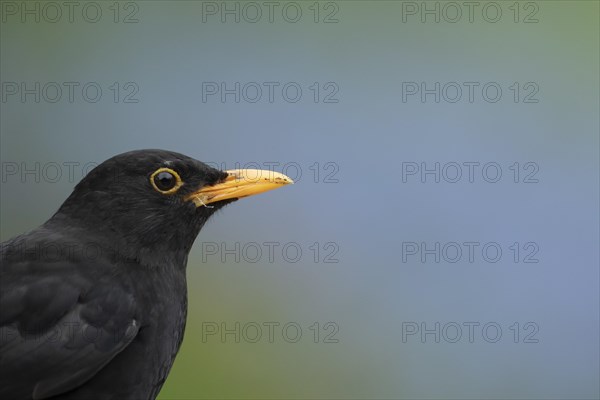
<point x="361" y="197"/>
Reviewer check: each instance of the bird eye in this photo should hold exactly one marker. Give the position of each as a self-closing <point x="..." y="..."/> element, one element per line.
<point x="165" y="180"/>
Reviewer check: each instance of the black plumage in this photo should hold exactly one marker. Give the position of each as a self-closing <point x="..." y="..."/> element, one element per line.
<point x="93" y="303"/>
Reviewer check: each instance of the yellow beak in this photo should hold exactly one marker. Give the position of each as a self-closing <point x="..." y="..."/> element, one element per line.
<point x="240" y="183"/>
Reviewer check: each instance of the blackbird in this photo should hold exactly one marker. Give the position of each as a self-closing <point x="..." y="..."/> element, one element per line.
<point x="93" y="303"/>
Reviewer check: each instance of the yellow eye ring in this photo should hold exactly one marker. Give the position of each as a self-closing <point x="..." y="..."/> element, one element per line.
<point x="165" y="181"/>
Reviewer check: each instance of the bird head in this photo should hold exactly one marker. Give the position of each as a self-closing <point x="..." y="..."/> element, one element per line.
<point x="149" y="205"/>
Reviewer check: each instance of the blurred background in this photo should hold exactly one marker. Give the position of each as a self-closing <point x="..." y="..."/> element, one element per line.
<point x="441" y="240"/>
